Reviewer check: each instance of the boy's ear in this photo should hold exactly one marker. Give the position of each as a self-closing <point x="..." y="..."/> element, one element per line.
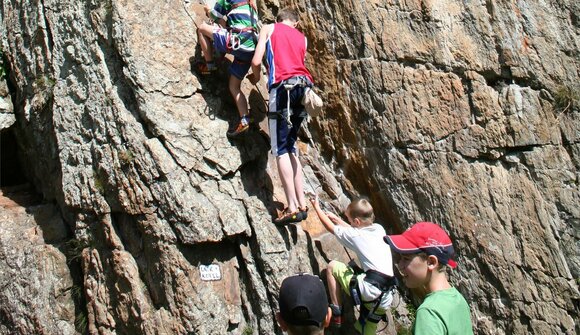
<point x="326" y="321"/>
<point x="281" y="322"/>
<point x="432" y="262"/>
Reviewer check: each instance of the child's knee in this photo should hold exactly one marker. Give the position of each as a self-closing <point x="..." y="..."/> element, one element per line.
<point x="235" y="85"/>
<point x="330" y="266"/>
<point x="205" y="30"/>
<point x="236" y="92"/>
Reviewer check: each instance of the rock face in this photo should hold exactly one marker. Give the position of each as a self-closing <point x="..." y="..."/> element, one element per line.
<point x="448" y="108"/>
<point x="7" y="118"/>
<point x="437" y="110"/>
<point x="38" y="292"/>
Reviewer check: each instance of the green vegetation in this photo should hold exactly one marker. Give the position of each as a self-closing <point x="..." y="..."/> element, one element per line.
<point x="81" y="322"/>
<point x="567" y="98"/>
<point x="412" y="311"/>
<point x="99" y="185"/>
<point x="76" y="292"/>
<point x="402" y="330"/>
<point x="404" y="324"/>
<point x="44" y="84"/>
<point x="73" y="249"/>
<point x="126" y="156"/>
<point x="3" y="70"/>
<point x="248" y="331"/>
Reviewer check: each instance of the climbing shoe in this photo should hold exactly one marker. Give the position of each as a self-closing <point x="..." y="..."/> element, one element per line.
<point x="205" y="69"/>
<point x="336" y="320"/>
<point x="289" y="217"/>
<point x="303" y="212"/>
<point x="240" y="128"/>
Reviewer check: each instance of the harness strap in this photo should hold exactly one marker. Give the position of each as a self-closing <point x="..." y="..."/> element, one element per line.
<point x="378" y="279"/>
<point x="288" y="88"/>
<point x="369" y="316"/>
<point x="240" y="30"/>
<point x="243" y="3"/>
<point x="289" y="84"/>
<point x="233" y="40"/>
<point x="274" y="115"/>
<point x="301" y="81"/>
<point x="355" y="291"/>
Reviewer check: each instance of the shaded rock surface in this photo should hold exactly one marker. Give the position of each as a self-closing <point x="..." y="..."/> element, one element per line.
<point x="37" y="287"/>
<point x="436" y="110"/>
<point x="7" y="117"/>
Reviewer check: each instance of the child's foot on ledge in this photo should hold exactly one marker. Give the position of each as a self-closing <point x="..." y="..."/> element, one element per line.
<point x="289" y="217"/>
<point x="240" y="128"/>
<point x="204" y="68"/>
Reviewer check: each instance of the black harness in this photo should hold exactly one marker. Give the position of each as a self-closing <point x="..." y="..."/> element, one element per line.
<point x="380" y="280"/>
<point x="289" y="84"/>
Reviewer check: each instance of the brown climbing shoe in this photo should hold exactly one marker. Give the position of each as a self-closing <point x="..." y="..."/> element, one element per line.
<point x="240" y="128"/>
<point x="203" y="68"/>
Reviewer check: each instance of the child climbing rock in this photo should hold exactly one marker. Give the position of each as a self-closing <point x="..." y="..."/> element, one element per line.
<point x="288" y="78"/>
<point x="235" y="32"/>
<point x="372" y="288"/>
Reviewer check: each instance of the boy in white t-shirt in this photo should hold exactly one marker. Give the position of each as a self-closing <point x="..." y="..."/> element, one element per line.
<point x="371" y="289"/>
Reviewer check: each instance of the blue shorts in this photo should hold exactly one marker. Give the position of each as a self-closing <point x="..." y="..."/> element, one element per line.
<point x="283" y="136"/>
<point x="242" y="59"/>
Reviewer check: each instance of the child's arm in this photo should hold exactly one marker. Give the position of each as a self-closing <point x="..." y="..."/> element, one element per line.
<point x="324" y="218"/>
<point x="259" y="54"/>
<point x="337" y="220"/>
<point x="219" y="11"/>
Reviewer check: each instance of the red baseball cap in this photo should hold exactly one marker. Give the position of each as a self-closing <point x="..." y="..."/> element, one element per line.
<point x="427" y="237"/>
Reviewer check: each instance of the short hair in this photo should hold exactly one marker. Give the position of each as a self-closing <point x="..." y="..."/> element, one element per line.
<point x="361" y="208"/>
<point x="443" y="268"/>
<point x="305" y="330"/>
<point x="287" y="14"/>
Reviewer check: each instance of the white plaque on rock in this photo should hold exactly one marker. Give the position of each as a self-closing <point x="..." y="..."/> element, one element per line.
<point x="210" y="272"/>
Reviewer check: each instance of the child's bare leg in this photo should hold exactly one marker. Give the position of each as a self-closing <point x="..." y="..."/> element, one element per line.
<point x="298" y="180"/>
<point x="333" y="288"/>
<point x="204" y="36"/>
<point x="286" y="174"/>
<point x="239" y="97"/>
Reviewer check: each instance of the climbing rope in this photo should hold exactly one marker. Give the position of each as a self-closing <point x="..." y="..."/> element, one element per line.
<point x="189" y="14"/>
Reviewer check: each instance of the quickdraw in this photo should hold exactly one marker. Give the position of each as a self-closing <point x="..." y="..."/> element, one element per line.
<point x="289" y="84"/>
<point x="233" y="40"/>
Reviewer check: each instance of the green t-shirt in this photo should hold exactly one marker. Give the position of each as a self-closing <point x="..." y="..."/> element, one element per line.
<point x="443" y="312"/>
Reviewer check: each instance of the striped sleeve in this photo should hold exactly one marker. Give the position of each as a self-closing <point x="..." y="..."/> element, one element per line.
<point x="220" y="10"/>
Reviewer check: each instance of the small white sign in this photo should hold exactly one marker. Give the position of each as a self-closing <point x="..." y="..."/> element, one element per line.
<point x="210" y="272"/>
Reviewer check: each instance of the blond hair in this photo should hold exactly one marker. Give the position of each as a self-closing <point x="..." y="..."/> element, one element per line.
<point x="360" y="208"/>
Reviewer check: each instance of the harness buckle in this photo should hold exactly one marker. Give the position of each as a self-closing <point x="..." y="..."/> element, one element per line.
<point x="235" y="42"/>
<point x="355" y="291"/>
